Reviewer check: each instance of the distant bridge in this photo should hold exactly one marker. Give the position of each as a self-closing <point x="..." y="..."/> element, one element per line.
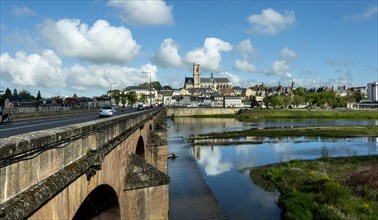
<point x="114" y="168"/>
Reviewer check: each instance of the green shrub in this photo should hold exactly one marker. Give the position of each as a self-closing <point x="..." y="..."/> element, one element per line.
<point x="333" y="192"/>
<point x="296" y="205"/>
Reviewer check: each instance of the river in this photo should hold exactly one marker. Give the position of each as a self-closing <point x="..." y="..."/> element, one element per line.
<point x="222" y="166"/>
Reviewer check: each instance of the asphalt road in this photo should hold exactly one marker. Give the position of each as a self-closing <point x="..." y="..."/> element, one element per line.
<point x="26" y="126"/>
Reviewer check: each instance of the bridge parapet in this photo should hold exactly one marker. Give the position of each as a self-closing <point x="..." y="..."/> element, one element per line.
<point x="35" y="167"/>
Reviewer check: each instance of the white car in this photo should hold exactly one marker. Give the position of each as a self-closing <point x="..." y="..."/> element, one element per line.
<point x="107" y="111"/>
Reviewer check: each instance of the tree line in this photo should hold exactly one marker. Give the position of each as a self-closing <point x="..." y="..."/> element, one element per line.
<point x="301" y="96"/>
<point x="23" y="94"/>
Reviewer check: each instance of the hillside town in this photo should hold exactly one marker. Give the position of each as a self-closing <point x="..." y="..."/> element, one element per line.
<point x="198" y="91"/>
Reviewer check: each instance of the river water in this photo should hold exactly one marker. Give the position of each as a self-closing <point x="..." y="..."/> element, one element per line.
<point x="222" y="166"/>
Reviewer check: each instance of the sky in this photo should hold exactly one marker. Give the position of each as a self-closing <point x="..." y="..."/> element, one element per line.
<point x="89" y="47"/>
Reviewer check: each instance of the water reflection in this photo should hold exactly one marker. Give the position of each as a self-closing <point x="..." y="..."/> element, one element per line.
<point x="210" y="159"/>
<point x="221" y="164"/>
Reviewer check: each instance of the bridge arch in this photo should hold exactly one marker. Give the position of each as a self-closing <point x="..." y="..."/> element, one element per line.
<point x="101" y="203"/>
<point x="140" y="147"/>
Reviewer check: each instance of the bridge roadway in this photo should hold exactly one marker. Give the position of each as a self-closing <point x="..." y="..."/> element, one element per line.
<point x="114" y="167"/>
<point x="30" y="124"/>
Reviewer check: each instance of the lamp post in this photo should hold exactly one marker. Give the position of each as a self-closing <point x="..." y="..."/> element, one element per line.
<point x="111" y="92"/>
<point x="150" y="87"/>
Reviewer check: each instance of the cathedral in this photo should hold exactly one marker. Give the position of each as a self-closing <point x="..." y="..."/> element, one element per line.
<point x="197" y="82"/>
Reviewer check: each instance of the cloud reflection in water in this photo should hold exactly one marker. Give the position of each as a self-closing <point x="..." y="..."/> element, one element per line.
<point x="211" y="160"/>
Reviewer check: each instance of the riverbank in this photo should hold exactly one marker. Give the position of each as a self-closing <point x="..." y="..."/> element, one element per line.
<point x="298" y="114"/>
<point x="326" y="131"/>
<point x="328" y="188"/>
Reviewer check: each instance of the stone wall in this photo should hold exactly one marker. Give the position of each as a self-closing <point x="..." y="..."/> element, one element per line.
<point x="184" y="112"/>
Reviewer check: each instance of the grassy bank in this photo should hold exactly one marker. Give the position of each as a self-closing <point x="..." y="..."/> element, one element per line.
<point x="329" y="188"/>
<point x="329" y="131"/>
<point x="299" y="113"/>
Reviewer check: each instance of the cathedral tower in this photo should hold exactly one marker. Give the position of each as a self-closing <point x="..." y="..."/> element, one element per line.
<point x="196" y="76"/>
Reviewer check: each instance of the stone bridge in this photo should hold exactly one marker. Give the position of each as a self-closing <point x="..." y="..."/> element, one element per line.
<point x="114" y="168"/>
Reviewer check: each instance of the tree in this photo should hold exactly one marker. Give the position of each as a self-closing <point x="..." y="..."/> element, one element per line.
<point x="358" y="96"/>
<point x="275" y="101"/>
<point x="266" y="102"/>
<point x="298" y="100"/>
<point x="143" y="98"/>
<point x="117" y="97"/>
<point x="155" y="84"/>
<point x="26" y="94"/>
<point x="300" y="91"/>
<point x="39" y="97"/>
<point x="350" y="97"/>
<point x="6" y="95"/>
<point x="286" y="100"/>
<point x="123" y="99"/>
<point x="254" y="102"/>
<point x="132" y="97"/>
<point x="167" y="87"/>
<point x="328" y="97"/>
<point x="15" y="94"/>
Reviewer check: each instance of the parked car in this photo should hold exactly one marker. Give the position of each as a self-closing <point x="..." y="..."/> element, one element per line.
<point x="140" y="107"/>
<point x="107" y="111"/>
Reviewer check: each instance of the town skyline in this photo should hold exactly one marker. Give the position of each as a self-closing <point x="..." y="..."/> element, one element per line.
<point x="56" y="48"/>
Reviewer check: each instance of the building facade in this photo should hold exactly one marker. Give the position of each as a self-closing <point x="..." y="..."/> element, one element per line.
<point x="372" y="90"/>
<point x="197" y="82"/>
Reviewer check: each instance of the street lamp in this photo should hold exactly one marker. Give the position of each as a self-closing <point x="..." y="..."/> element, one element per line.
<point x="150" y="86"/>
<point x="111" y="92"/>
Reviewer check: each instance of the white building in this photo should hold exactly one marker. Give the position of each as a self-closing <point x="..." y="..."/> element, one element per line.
<point x="145" y="90"/>
<point x="232" y="101"/>
<point x="372" y="90"/>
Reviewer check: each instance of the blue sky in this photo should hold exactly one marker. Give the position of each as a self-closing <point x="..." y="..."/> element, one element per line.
<point x="82" y="47"/>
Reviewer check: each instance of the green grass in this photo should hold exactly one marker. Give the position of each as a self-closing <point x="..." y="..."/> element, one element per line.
<point x="294" y="113"/>
<point x="328" y="188"/>
<point x="299" y="114"/>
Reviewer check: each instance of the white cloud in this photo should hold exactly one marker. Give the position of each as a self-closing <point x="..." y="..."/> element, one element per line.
<point x="345" y="79"/>
<point x="280" y="67"/>
<point x="308" y="82"/>
<point x="141" y="13"/>
<point x="339" y="62"/>
<point x="33" y="70"/>
<point x="209" y="56"/>
<point x="271" y="22"/>
<point x="168" y="55"/>
<point x="23" y="11"/>
<point x="236" y="80"/>
<point x="245" y="48"/>
<point x="288" y="54"/>
<point x="24" y="41"/>
<point x="83" y="78"/>
<point x="245" y="66"/>
<point x="100" y="43"/>
<point x="368" y="13"/>
<point x="45" y="71"/>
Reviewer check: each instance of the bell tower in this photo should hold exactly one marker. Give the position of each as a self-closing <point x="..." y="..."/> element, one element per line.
<point x="196" y="76"/>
